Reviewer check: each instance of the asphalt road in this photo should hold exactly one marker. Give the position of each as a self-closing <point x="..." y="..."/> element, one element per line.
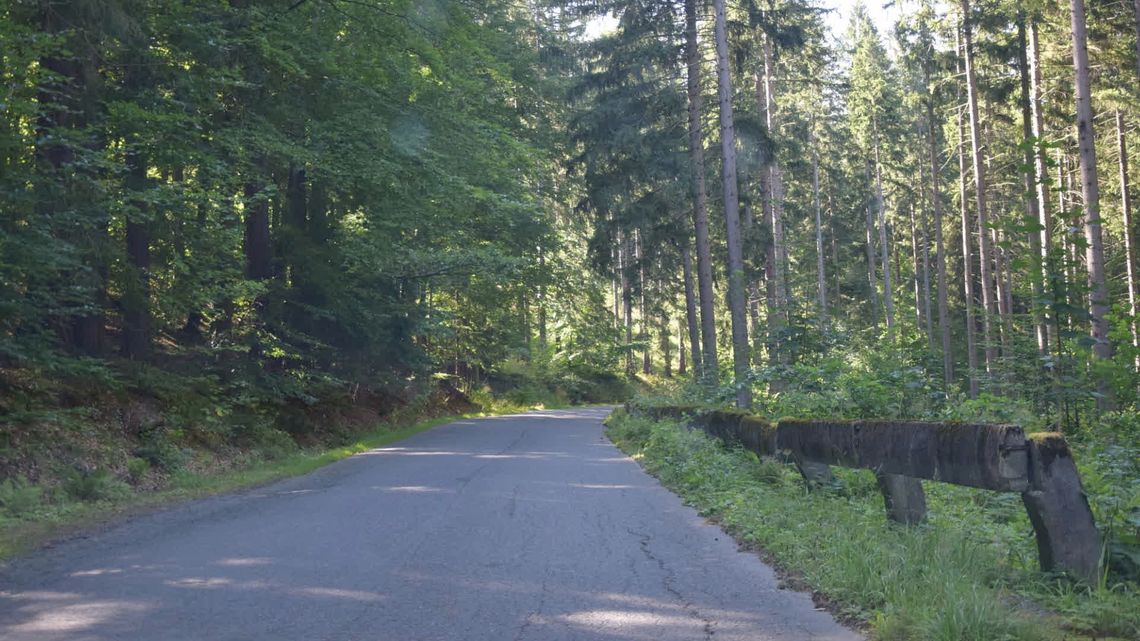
<point x="530" y="527"/>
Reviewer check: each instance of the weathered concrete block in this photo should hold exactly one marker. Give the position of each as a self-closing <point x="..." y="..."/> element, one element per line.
<point x="904" y="498"/>
<point x="1067" y="538"/>
<point x="991" y="457"/>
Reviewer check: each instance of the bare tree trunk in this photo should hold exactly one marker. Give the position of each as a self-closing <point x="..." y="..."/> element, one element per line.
<point x="1090" y="189"/>
<point x="1032" y="202"/>
<point x="926" y="275"/>
<point x="542" y="298"/>
<point x="681" y="365"/>
<point x="615" y="259"/>
<point x="778" y="317"/>
<point x="967" y="264"/>
<point x="1129" y="234"/>
<point x="936" y="204"/>
<point x="820" y="273"/>
<point x="708" y="370"/>
<point x="916" y="277"/>
<point x="1069" y="269"/>
<point x="690" y="311"/>
<point x="985" y="253"/>
<point x="626" y="301"/>
<point x="884" y="248"/>
<point x="736" y="297"/>
<point x="872" y="277"/>
<point x="642" y="305"/>
<point x="1047" y="260"/>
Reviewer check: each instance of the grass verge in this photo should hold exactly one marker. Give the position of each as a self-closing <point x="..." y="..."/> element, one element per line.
<point x="55" y="521"/>
<point x="951" y="580"/>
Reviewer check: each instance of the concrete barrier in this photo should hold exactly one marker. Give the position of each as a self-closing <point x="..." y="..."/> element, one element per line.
<point x="999" y="458"/>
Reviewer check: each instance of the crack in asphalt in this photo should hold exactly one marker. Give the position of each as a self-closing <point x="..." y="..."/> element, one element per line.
<point x="668" y="580"/>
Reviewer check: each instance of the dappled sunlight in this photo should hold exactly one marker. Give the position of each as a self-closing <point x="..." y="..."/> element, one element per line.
<point x="97" y="572"/>
<point x="242" y="562"/>
<point x="53" y="618"/>
<point x="413" y="489"/>
<point x="337" y="593"/>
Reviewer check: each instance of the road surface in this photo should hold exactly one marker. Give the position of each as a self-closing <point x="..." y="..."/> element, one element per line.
<point x="529" y="527"/>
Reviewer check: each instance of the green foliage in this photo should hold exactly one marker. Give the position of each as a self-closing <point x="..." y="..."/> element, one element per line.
<point x="96" y="485"/>
<point x="18" y="497"/>
<point x="159" y="450"/>
<point x="137" y="469"/>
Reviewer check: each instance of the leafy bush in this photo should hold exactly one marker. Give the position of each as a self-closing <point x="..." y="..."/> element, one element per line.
<point x="137" y="469"/>
<point x="98" y="485"/>
<point x="159" y="450"/>
<point x="18" y="497"/>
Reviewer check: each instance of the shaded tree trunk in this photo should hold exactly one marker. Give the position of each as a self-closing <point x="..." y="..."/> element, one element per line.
<point x="985" y="253"/>
<point x="967" y="265"/>
<point x="884" y="247"/>
<point x="778" y="316"/>
<point x="1090" y="190"/>
<point x="1129" y="231"/>
<point x="690" y="312"/>
<point x="1046" y="263"/>
<point x="820" y="273"/>
<point x="940" y="248"/>
<point x="736" y="291"/>
<point x="708" y="370"/>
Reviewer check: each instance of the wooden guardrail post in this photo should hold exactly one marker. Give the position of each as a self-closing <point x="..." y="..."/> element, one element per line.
<point x="1067" y="538"/>
<point x="999" y="458"/>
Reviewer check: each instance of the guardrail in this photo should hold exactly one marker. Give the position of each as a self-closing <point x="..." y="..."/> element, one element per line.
<point x="999" y="458"/>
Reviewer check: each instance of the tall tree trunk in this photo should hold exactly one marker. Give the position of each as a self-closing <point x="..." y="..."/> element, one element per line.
<point x="690" y="311"/>
<point x="884" y="247"/>
<point x="627" y="303"/>
<point x="778" y="316"/>
<point x="967" y="264"/>
<point x="820" y="273"/>
<point x="916" y="276"/>
<point x="708" y="371"/>
<point x="872" y="277"/>
<point x="1090" y="189"/>
<point x="736" y="297"/>
<point x="682" y="365"/>
<point x="642" y="304"/>
<point x="1129" y="231"/>
<point x="542" y="298"/>
<point x="926" y="298"/>
<point x="1029" y="175"/>
<point x="985" y="253"/>
<point x="615" y="260"/>
<point x="1045" y="263"/>
<point x="936" y="203"/>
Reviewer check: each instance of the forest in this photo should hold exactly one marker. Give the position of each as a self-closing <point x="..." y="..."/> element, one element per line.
<point x="235" y="230"/>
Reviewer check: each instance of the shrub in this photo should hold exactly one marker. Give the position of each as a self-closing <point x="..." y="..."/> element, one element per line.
<point x="98" y="485"/>
<point x="18" y="497"/>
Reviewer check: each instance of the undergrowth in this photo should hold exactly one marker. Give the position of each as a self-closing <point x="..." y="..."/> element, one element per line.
<point x="970" y="574"/>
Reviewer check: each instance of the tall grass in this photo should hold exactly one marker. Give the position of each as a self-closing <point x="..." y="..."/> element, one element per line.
<point x="946" y="581"/>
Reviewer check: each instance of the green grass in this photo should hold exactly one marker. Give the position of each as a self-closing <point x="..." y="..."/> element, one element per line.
<point x="51" y="521"/>
<point x="968" y="575"/>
